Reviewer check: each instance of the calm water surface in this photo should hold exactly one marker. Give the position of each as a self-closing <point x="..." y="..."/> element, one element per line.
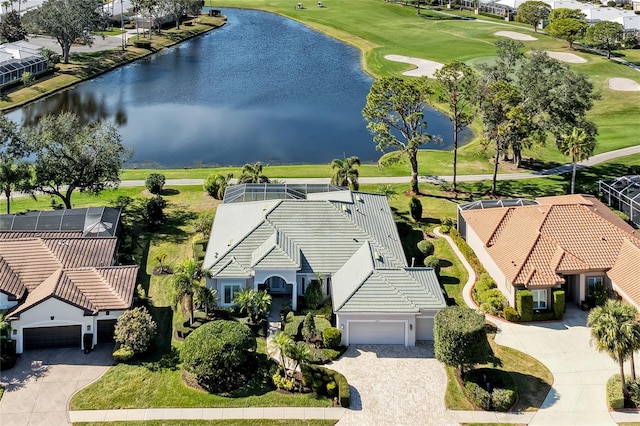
<point x="262" y="88"/>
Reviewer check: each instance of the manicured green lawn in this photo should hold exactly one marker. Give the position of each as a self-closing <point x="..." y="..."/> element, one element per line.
<point x="253" y="422"/>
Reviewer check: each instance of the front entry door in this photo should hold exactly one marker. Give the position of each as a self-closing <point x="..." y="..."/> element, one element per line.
<point x="276" y="285"/>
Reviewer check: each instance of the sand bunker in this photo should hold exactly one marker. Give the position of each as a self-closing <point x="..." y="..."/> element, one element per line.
<point x="515" y="36"/>
<point x="623" y="85"/>
<point x="424" y="67"/>
<point x="566" y="57"/>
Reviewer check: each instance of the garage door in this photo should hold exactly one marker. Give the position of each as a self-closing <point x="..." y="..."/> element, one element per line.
<point x="105" y="331"/>
<point x="376" y="333"/>
<point x="424" y="328"/>
<point x="52" y="337"/>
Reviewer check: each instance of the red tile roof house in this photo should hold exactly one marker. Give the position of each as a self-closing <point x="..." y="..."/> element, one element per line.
<point x="57" y="280"/>
<point x="571" y="242"/>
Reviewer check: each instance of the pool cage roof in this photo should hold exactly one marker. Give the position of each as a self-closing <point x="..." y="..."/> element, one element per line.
<point x="490" y="204"/>
<point x="274" y="191"/>
<point x="623" y="193"/>
<point x="92" y="222"/>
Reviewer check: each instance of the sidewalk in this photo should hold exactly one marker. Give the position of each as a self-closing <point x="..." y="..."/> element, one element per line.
<point x="279" y="413"/>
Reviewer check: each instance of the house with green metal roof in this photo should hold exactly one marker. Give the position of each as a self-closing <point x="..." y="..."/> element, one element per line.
<point x="280" y="237"/>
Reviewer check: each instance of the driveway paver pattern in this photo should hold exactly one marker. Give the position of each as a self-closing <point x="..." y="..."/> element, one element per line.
<point x="394" y="385"/>
<point x="39" y="387"/>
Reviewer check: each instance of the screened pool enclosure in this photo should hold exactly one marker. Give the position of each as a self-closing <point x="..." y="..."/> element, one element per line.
<point x="623" y="193"/>
<point x="18" y="58"/>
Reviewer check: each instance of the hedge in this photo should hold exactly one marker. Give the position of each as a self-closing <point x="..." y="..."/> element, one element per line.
<point x="478" y="396"/>
<point x="467" y="251"/>
<point x="510" y="314"/>
<point x="318" y="378"/>
<point x="558" y="304"/>
<point x="524" y="304"/>
<point x="331" y="337"/>
<point x="615" y="397"/>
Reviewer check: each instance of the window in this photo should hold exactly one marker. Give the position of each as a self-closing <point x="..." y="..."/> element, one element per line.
<point x="539" y="299"/>
<point x="593" y="281"/>
<point x="230" y="291"/>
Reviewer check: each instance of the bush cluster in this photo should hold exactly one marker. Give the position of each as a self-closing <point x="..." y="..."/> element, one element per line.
<point x="502" y="393"/>
<point x="479" y="396"/>
<point x="467" y="251"/>
<point x="615" y="397"/>
<point x="8" y="356"/>
<point x="511" y="314"/>
<point x="320" y="379"/>
<point x="134" y="330"/>
<point x="487" y="295"/>
<point x="123" y="354"/>
<point x="285" y="383"/>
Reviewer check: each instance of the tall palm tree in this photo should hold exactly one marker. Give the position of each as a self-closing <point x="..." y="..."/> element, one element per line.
<point x="614" y="331"/>
<point x="252" y="173"/>
<point x="346" y="173"/>
<point x="579" y="145"/>
<point x="187" y="281"/>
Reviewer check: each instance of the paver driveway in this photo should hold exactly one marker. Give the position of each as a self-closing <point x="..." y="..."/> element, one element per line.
<point x="39" y="387"/>
<point x="394" y="385"/>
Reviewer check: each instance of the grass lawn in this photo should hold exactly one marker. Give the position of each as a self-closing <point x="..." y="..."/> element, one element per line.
<point x="253" y="422"/>
<point x="532" y="378"/>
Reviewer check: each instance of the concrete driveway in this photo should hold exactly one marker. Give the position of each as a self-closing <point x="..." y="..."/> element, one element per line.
<point x="394" y="385"/>
<point x="39" y="387"/>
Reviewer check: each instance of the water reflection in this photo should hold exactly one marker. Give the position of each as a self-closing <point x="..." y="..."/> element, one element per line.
<point x="262" y="88"/>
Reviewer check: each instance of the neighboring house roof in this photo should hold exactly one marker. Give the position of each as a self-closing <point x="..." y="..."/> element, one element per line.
<point x="66" y="255"/>
<point x="534" y="245"/>
<point x="351" y="235"/>
<point x="626" y="271"/>
<point x="90" y="289"/>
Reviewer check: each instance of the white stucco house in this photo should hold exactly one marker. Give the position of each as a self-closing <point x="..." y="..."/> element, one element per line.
<point x="280" y="237"/>
<point x="570" y="242"/>
<point x="57" y="279"/>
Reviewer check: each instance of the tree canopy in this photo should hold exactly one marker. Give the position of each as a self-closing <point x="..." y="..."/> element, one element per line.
<point x="605" y="35"/>
<point x="567" y="24"/>
<point x="395" y="114"/>
<point x="532" y="12"/>
<point x="252" y="173"/>
<point x="70" y="155"/>
<point x="11" y="28"/>
<point x="67" y="21"/>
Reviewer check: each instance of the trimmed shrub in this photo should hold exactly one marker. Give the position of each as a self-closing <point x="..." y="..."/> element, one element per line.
<point x="484" y="283"/>
<point x="142" y="44"/>
<point x="155" y="182"/>
<point x="467" y="251"/>
<point x="433" y="262"/>
<point x="331" y="337"/>
<point x="321" y="324"/>
<point x="510" y="314"/>
<point x="415" y="209"/>
<point x="558" y="304"/>
<point x="313" y="294"/>
<point x="503" y="399"/>
<point x="124" y="354"/>
<point x="135" y="329"/>
<point x="154" y="212"/>
<point x="426" y="247"/>
<point x="219" y="354"/>
<point x="309" y="327"/>
<point x="478" y="395"/>
<point x="318" y="377"/>
<point x="524" y="304"/>
<point x="615" y="397"/>
<point x="460" y="337"/>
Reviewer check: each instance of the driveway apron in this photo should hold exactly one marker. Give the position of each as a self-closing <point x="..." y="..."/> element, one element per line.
<point x="394" y="385"/>
<point x="39" y="387"/>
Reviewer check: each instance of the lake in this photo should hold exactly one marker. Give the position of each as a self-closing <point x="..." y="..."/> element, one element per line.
<point x="261" y="88"/>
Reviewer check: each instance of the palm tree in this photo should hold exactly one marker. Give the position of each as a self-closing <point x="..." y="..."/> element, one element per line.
<point x="346" y="173"/>
<point x="252" y="173"/>
<point x="387" y="190"/>
<point x="5" y="328"/>
<point x="614" y="331"/>
<point x="254" y="303"/>
<point x="15" y="177"/>
<point x="206" y="298"/>
<point x="280" y="343"/>
<point x="187" y="281"/>
<point x="299" y="353"/>
<point x="579" y="145"/>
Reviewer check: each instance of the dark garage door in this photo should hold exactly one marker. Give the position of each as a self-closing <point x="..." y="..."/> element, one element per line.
<point x="105" y="331"/>
<point x="52" y="337"/>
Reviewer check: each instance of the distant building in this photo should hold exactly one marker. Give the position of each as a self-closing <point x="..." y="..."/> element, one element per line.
<point x="19" y="57"/>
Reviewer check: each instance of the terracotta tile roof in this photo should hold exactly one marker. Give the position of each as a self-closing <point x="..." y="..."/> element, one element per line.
<point x="10" y="282"/>
<point x="532" y="245"/>
<point x="31" y="260"/>
<point x="74" y="253"/>
<point x="90" y="289"/>
<point x="625" y="272"/>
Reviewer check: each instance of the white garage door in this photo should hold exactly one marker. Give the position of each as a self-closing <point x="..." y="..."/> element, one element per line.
<point x="424" y="328"/>
<point x="376" y="333"/>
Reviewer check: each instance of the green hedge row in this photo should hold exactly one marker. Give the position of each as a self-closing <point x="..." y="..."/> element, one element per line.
<point x="320" y="380"/>
<point x="487" y="296"/>
<point x="467" y="251"/>
<point x="615" y="397"/>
